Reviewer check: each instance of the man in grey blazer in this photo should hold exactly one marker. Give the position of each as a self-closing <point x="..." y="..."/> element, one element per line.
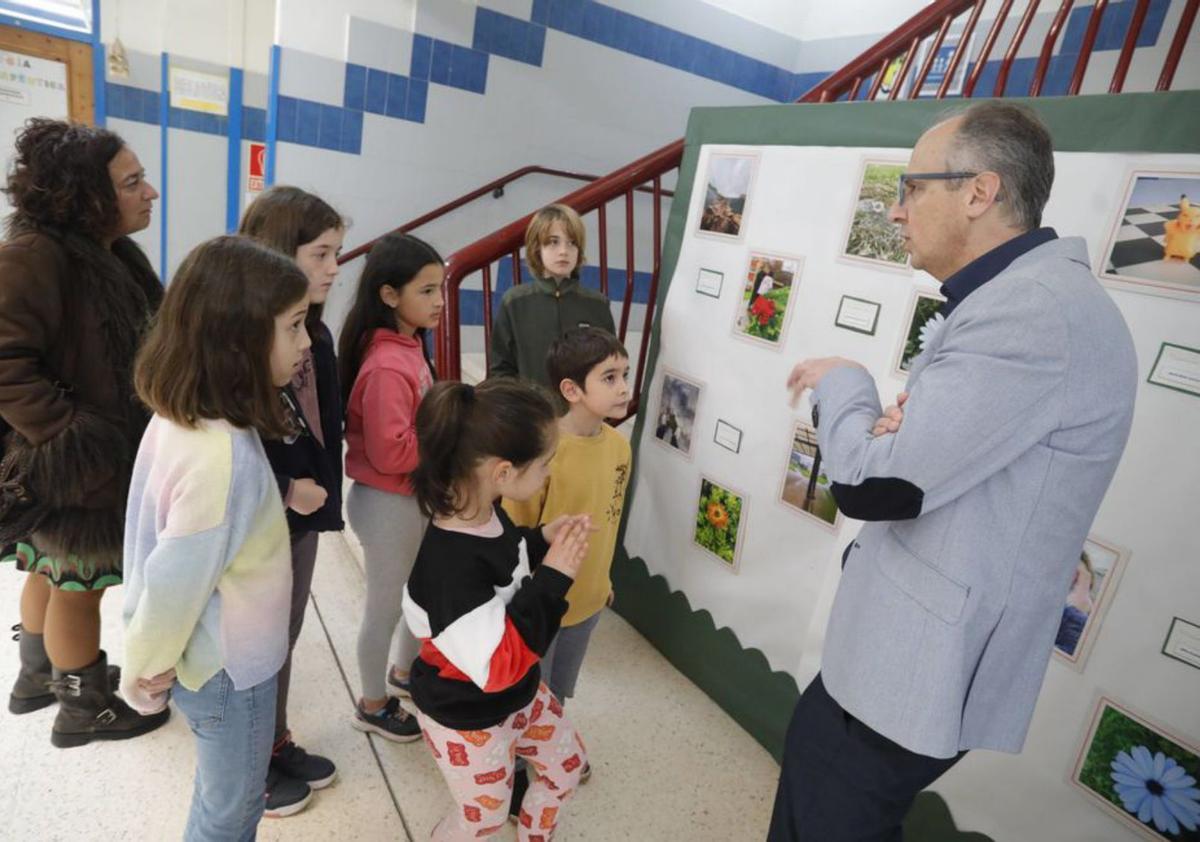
<point x="979" y="488"/>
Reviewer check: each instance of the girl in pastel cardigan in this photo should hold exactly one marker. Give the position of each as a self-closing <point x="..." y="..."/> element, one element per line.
<point x="207" y="562"/>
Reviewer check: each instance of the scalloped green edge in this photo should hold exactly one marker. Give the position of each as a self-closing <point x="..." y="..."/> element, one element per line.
<point x="739" y="679"/>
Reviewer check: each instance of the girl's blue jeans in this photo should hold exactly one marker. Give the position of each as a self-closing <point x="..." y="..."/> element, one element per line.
<point x="234" y="732"/>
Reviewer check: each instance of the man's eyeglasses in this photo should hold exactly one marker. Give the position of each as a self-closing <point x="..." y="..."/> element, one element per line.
<point x="927" y="176"/>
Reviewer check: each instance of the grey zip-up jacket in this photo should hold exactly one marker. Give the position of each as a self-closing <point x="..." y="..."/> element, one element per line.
<point x="532" y="316"/>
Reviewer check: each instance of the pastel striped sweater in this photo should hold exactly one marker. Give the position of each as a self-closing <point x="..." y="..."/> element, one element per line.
<point x="207" y="562"/>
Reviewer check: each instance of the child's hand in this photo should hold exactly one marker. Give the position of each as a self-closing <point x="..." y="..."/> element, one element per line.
<point x="157" y="684"/>
<point x="551" y="529"/>
<point x="569" y="547"/>
<point x="307" y="496"/>
<point x="157" y="689"/>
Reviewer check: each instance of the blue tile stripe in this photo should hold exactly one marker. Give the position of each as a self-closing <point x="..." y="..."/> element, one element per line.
<point x="512" y="38"/>
<point x="129" y="103"/>
<point x="438" y="62"/>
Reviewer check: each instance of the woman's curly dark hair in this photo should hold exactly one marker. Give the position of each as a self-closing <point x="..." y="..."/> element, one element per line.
<point x="59" y="178"/>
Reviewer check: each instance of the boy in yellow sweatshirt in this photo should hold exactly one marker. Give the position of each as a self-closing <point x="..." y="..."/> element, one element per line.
<point x="588" y="475"/>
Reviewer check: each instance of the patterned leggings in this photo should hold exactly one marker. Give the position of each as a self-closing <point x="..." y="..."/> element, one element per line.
<point x="478" y="768"/>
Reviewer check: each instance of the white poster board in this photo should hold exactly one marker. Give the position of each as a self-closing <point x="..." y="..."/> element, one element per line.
<point x="788" y="566"/>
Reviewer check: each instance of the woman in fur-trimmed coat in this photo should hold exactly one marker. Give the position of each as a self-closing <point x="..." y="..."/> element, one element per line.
<point x="76" y="296"/>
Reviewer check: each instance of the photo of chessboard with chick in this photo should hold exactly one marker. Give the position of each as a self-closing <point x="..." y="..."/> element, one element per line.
<point x="1156" y="241"/>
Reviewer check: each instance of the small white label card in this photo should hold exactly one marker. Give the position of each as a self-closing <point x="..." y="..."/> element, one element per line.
<point x="709" y="282"/>
<point x="858" y="315"/>
<point x="1177" y="368"/>
<point x="728" y="436"/>
<point x="1183" y="642"/>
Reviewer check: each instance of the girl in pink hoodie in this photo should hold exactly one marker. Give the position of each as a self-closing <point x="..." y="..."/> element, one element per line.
<point x="385" y="372"/>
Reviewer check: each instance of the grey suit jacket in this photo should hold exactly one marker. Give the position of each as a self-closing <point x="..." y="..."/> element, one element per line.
<point x="1019" y="410"/>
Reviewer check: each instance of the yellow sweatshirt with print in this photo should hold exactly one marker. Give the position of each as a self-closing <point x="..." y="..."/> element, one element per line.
<point x="588" y="475"/>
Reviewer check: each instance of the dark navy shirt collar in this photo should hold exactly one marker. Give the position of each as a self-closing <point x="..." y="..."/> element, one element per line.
<point x="987" y="266"/>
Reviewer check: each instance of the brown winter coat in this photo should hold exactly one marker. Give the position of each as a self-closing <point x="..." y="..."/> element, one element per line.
<point x="72" y="315"/>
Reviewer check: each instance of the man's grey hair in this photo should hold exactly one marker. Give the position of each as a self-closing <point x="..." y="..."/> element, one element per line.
<point x="1012" y="142"/>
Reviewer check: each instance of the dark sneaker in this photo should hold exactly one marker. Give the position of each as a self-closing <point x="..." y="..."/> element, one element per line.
<point x="285" y="796"/>
<point x="586" y="774"/>
<point x="294" y="762"/>
<point x="391" y="722"/>
<point x="520" y="786"/>
<point x="399" y="687"/>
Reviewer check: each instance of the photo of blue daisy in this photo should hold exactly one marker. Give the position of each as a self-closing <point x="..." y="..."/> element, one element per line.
<point x="1157" y="789"/>
<point x="1142" y="775"/>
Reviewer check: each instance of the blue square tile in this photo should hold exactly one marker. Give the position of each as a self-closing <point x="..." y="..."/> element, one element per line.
<point x="439" y="70"/>
<point x="377" y="88"/>
<point x="608" y="25"/>
<point x="677" y="51"/>
<point x="704" y="62"/>
<point x="591" y="21"/>
<point x="222" y="126"/>
<point x="535" y="45"/>
<point x="355" y="94"/>
<point x="422" y="55"/>
<point x="509" y="34"/>
<point x="352" y="129"/>
<point x="331" y="128"/>
<point x="134" y="107"/>
<point x="660" y="43"/>
<point x="622" y="37"/>
<point x="784" y="79"/>
<point x="540" y="12"/>
<point x="114" y="99"/>
<point x="644" y="38"/>
<point x="308" y="122"/>
<point x="556" y="17"/>
<point x="397" y="95"/>
<point x="692" y="49"/>
<point x="418" y="91"/>
<point x="175" y="118"/>
<point x="743" y="72"/>
<point x="468" y="70"/>
<point x="487" y="34"/>
<point x="285" y="118"/>
<point x="479" y="72"/>
<point x="254" y="122"/>
<point x="153" y="106"/>
<point x="458" y="67"/>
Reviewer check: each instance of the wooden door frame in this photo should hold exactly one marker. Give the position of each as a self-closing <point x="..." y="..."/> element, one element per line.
<point x="76" y="55"/>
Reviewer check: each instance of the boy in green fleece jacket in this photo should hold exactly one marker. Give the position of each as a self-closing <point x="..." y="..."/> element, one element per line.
<point x="533" y="315"/>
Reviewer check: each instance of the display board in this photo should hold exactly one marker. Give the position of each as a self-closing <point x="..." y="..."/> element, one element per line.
<point x="779" y="249"/>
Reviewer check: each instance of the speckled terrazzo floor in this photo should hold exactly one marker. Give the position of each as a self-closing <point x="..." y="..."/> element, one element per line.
<point x="669" y="764"/>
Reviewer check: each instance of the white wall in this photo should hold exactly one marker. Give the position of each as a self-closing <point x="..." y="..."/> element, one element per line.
<point x="319" y="26"/>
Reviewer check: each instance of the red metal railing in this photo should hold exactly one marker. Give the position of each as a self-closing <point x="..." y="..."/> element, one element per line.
<point x="495" y="188"/>
<point x="931" y="25"/>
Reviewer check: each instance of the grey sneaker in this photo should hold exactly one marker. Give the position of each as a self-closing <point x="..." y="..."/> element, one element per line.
<point x="391" y="722"/>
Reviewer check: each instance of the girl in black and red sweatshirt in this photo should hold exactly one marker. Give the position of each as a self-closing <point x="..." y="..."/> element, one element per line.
<point x="485" y="599"/>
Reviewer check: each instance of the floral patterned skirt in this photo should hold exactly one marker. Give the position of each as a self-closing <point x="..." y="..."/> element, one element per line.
<point x="69" y="574"/>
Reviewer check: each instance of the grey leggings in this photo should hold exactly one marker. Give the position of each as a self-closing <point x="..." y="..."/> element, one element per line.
<point x="389" y="527"/>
